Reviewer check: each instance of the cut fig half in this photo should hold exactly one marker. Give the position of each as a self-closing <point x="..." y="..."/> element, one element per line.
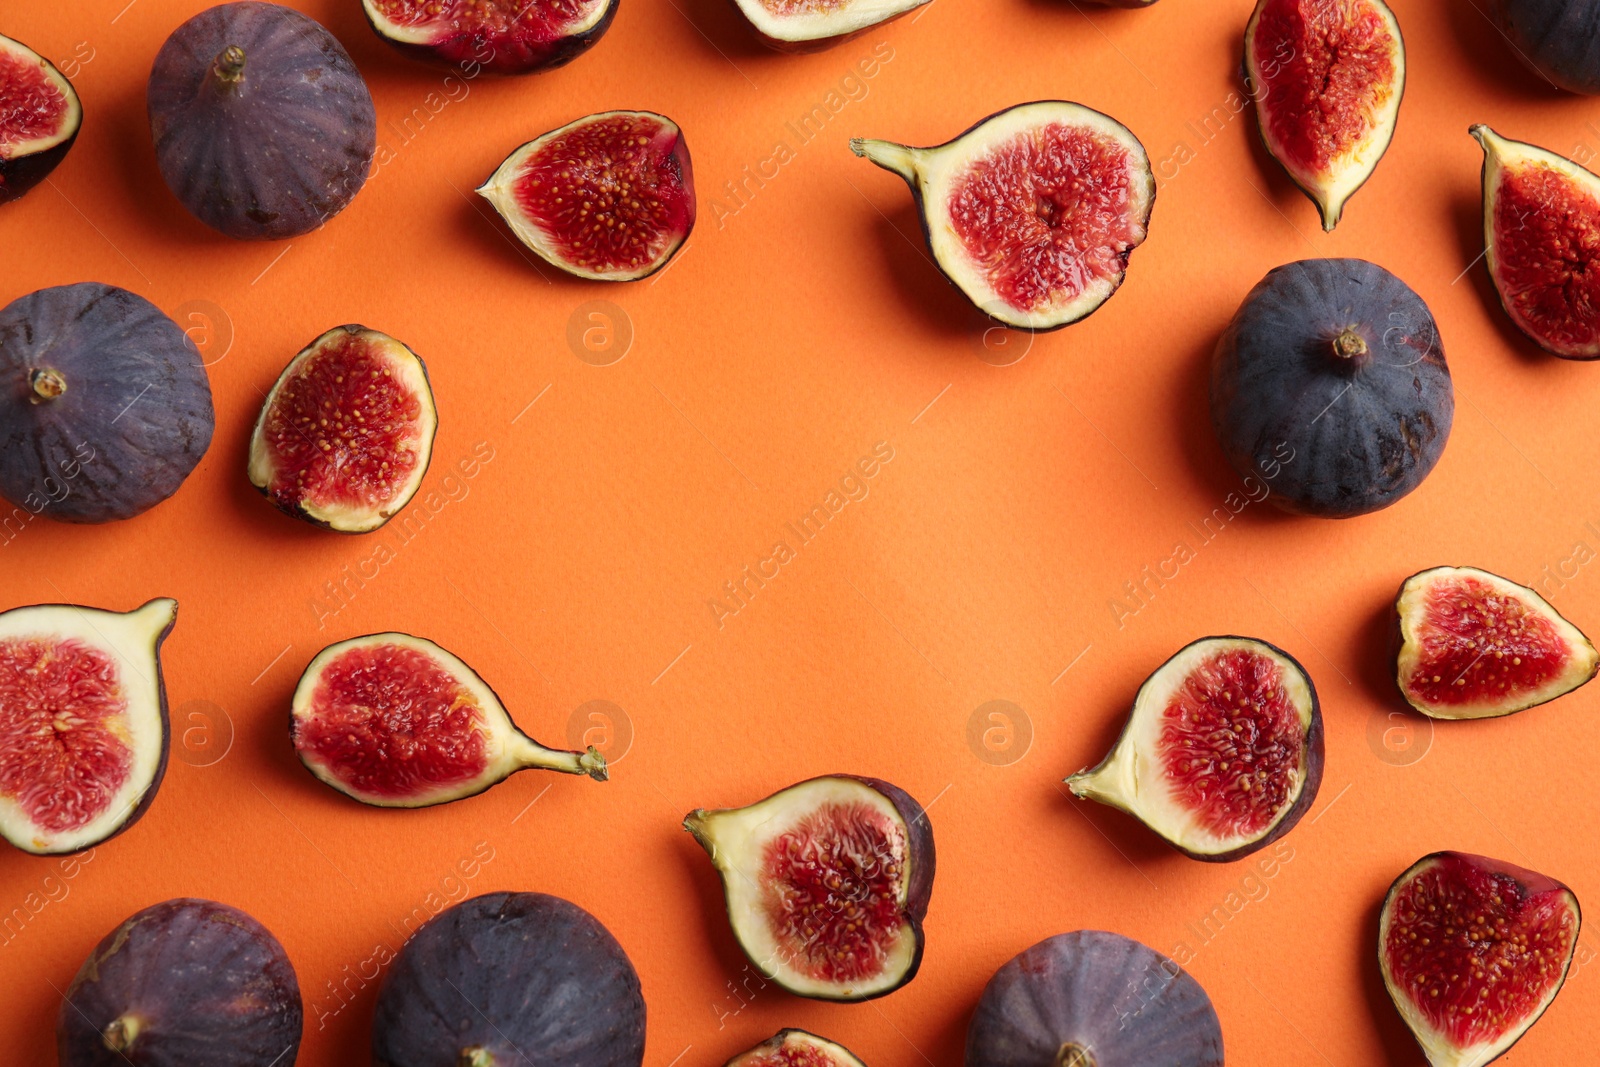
<point x="1222" y="753"/>
<point x="796" y="1048"/>
<point x="827" y="883"/>
<point x="396" y="721"/>
<point x="609" y="197"/>
<point x="497" y="36"/>
<point x="344" y="437"/>
<point x="1541" y="227"/>
<point x="83" y="722"/>
<point x="1474" y="645"/>
<point x="1327" y="77"/>
<point x="1033" y="212"/>
<point x="39" y="118"/>
<point x="1473" y="951"/>
<point x="809" y="25"/>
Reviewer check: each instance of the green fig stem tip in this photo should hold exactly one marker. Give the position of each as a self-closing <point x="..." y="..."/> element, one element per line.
<point x="120" y="1033"/>
<point x="230" y="64"/>
<point x="47" y="384"/>
<point x="1349" y="345"/>
<point x="475" y="1056"/>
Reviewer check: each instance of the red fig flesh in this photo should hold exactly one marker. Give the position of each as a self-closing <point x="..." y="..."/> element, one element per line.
<point x="796" y="1048"/>
<point x="807" y="25"/>
<point x="39" y="118"/>
<point x="498" y="36"/>
<point x="1473" y="950"/>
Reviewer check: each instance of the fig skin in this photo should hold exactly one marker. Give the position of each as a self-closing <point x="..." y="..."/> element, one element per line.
<point x="19" y="176"/>
<point x="1559" y="40"/>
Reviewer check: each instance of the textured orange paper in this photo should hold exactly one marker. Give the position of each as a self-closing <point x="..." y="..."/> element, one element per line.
<point x="602" y="470"/>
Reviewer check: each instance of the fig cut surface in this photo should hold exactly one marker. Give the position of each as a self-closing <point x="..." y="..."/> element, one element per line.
<point x="39" y="118"/>
<point x="496" y="36"/>
<point x="796" y="1048"/>
<point x="809" y="25"/>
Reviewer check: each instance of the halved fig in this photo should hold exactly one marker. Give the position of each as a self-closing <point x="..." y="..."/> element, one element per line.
<point x="1327" y="77"/>
<point x="39" y="118"/>
<point x="1033" y="212"/>
<point x="609" y="196"/>
<point x="396" y="721"/>
<point x="809" y="25"/>
<point x="827" y="883"/>
<point x="497" y="36"/>
<point x="1472" y="951"/>
<point x="1474" y="645"/>
<point x="1222" y="753"/>
<point x="1541" y="226"/>
<point x="344" y="437"/>
<point x="184" y="983"/>
<point x="507" y="980"/>
<point x="796" y="1048"/>
<point x="1093" y="999"/>
<point x="83" y="722"/>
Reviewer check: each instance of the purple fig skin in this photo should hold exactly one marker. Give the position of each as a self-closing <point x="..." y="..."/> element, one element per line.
<point x="458" y="54"/>
<point x="1559" y="40"/>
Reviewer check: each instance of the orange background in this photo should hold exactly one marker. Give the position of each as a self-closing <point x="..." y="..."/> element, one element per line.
<point x="801" y="325"/>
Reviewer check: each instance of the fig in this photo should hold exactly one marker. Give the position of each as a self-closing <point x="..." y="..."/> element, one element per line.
<point x="796" y="1048"/>
<point x="1093" y="999"/>
<point x="1222" y="752"/>
<point x="810" y="25"/>
<point x="608" y="197"/>
<point x="105" y="407"/>
<point x="263" y="127"/>
<point x="507" y="979"/>
<point x="1557" y="39"/>
<point x="395" y="721"/>
<point x="1033" y="212"/>
<point x="184" y="983"/>
<point x="1472" y="951"/>
<point x="1332" y="377"/>
<point x="493" y="36"/>
<point x="1474" y="645"/>
<point x="344" y="437"/>
<point x="39" y="118"/>
<point x="83" y="722"/>
<point x="1541" y="226"/>
<point x="1327" y="77"/>
<point x="827" y="883"/>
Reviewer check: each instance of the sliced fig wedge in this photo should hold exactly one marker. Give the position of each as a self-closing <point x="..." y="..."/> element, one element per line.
<point x="1093" y="999"/>
<point x="344" y="437"/>
<point x="1472" y="951"/>
<point x="608" y="197"/>
<point x="827" y="884"/>
<point x="1541" y="226"/>
<point x="1474" y="645"/>
<point x="1327" y="77"/>
<point x="809" y="25"/>
<point x="796" y="1048"/>
<point x="1222" y="753"/>
<point x="39" y="118"/>
<point x="1033" y="212"/>
<point x="83" y="722"/>
<point x="396" y="721"/>
<point x="497" y="36"/>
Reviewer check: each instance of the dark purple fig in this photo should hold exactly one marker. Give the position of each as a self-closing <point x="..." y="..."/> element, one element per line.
<point x="497" y="36"/>
<point x="184" y="983"/>
<point x="811" y="25"/>
<point x="827" y="883"/>
<point x="105" y="406"/>
<point x="1558" y="39"/>
<point x="1222" y="753"/>
<point x="263" y="127"/>
<point x="796" y="1048"/>
<point x="1332" y="377"/>
<point x="83" y="722"/>
<point x="1093" y="999"/>
<point x="39" y="118"/>
<point x="508" y="979"/>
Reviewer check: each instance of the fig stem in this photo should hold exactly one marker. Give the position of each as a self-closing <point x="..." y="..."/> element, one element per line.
<point x="589" y="762"/>
<point x="899" y="158"/>
<point x="1349" y="345"/>
<point x="230" y="64"/>
<point x="47" y="384"/>
<point x="475" y="1056"/>
<point x="1073" y="1054"/>
<point x="120" y="1033"/>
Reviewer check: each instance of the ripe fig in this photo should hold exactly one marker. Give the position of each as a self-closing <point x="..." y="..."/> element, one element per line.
<point x="1332" y="376"/>
<point x="105" y="406"/>
<point x="507" y="979"/>
<point x="1222" y="752"/>
<point x="1541" y="226"/>
<point x="1327" y="77"/>
<point x="1474" y="645"/>
<point x="827" y="883"/>
<point x="1557" y="39"/>
<point x="796" y="1048"/>
<point x="811" y="25"/>
<point x="264" y="129"/>
<point x="396" y="721"/>
<point x="184" y="983"/>
<point x="1472" y="951"/>
<point x="1093" y="999"/>
<point x="496" y="36"/>
<point x="1033" y="212"/>
<point x="344" y="437"/>
<point x="608" y="197"/>
<point x="39" y="118"/>
<point x="83" y="722"/>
